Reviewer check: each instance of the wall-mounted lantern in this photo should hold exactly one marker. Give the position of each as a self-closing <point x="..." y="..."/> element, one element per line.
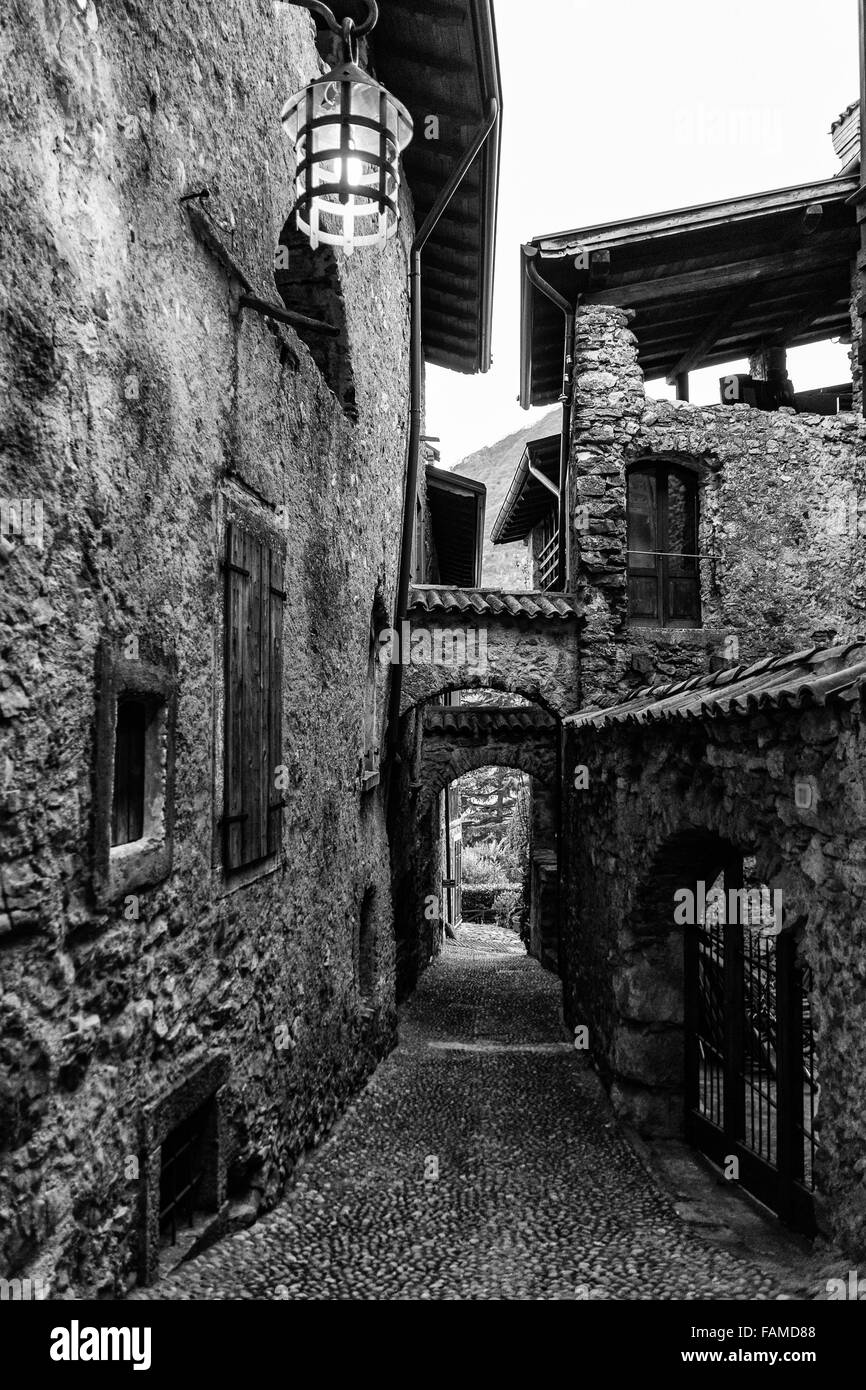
<point x="348" y="133"/>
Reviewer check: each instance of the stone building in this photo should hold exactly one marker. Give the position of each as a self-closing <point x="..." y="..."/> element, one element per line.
<point x="716" y="557"/>
<point x="210" y="422"/>
<point x="692" y="652"/>
<point x="223" y="804"/>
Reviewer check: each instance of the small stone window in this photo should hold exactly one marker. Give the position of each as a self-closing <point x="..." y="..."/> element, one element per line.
<point x="184" y="1168"/>
<point x="366" y="956"/>
<point x="134" y="771"/>
<point x="184" y="1159"/>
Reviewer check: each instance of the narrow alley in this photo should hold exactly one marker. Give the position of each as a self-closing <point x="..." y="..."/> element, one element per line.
<point x="432" y="671"/>
<point x="481" y="1162"/>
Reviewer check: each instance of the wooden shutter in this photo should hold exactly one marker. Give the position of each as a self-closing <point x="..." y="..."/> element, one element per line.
<point x="253" y="699"/>
<point x="663" y="571"/>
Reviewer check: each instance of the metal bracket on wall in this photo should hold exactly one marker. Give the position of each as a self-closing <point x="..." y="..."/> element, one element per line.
<point x="241" y="286"/>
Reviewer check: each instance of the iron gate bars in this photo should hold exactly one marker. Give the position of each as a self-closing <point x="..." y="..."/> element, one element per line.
<point x="751" y="1086"/>
<point x="181" y="1173"/>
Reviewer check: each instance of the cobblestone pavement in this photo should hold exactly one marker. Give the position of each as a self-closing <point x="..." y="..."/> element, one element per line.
<point x="481" y="1162"/>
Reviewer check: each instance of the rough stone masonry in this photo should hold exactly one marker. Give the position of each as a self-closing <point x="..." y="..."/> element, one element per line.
<point x="146" y="413"/>
<point x="782" y="519"/>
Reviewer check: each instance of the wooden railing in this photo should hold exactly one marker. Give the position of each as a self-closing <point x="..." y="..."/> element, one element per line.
<point x="547" y="563"/>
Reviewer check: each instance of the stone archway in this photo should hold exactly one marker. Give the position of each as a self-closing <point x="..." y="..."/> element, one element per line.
<point x="450" y="741"/>
<point x="463" y="739"/>
<point x="713" y="1017"/>
<point x="472" y="639"/>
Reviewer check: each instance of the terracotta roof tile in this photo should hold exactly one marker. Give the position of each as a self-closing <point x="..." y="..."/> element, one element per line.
<point x="509" y="720"/>
<point x="798" y="680"/>
<point x="536" y="606"/>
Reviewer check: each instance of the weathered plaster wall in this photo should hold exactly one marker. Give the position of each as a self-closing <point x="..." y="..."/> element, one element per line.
<point x="658" y="800"/>
<point x="782" y="506"/>
<point x="141" y="412"/>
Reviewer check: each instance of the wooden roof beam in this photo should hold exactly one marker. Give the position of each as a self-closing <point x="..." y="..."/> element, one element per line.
<point x="444" y="15"/>
<point x="812" y="217"/>
<point x="454" y="219"/>
<point x="431" y="102"/>
<point x="823" y="303"/>
<point x="427" y="61"/>
<point x="452" y="317"/>
<point x="464" y="245"/>
<point x="737" y="274"/>
<point x="656" y="365"/>
<point x="698" y="218"/>
<point x="694" y="355"/>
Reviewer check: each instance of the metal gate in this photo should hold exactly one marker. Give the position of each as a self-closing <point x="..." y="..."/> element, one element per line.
<point x="751" y="1088"/>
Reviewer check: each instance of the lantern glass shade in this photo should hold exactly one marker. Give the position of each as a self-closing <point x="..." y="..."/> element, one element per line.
<point x="348" y="133"/>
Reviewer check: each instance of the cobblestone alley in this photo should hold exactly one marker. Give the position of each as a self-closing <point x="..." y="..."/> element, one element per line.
<point x="481" y="1162"/>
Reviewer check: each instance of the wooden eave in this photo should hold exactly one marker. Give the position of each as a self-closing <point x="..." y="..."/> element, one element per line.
<point x="441" y="60"/>
<point x="528" y="500"/>
<point x="707" y="284"/>
<point x="457" y="506"/>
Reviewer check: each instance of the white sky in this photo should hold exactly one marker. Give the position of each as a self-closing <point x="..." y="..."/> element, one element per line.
<point x="626" y="107"/>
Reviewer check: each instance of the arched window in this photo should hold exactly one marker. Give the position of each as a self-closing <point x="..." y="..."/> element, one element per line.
<point x="663" y="571"/>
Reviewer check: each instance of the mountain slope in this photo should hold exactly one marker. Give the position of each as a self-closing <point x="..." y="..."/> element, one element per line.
<point x="504" y="566"/>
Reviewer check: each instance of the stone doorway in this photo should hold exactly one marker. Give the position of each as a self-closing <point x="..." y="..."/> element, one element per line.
<point x="751" y="1075"/>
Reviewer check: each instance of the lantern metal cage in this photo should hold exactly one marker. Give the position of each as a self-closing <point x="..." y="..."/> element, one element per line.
<point x="348" y="132"/>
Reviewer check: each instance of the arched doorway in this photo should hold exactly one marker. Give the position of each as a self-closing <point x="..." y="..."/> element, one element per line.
<point x="714" y="1018"/>
<point x="445" y="739"/>
<point x="488" y="849"/>
<point x="751" y="1085"/>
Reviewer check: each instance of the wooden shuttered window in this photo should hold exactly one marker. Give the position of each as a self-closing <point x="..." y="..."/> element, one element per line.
<point x="252" y="817"/>
<point x="663" y="565"/>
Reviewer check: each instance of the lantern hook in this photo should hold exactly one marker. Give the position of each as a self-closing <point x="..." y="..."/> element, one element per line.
<point x="324" y="12"/>
<point x="350" y="40"/>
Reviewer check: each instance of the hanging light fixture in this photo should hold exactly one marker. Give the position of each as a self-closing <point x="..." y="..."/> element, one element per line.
<point x="348" y="133"/>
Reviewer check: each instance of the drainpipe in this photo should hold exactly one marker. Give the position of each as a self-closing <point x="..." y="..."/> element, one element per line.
<point x="540" y="478"/>
<point x="565" y="308"/>
<point x="449" y="904"/>
<point x="861" y="205"/>
<point x="416" y="369"/>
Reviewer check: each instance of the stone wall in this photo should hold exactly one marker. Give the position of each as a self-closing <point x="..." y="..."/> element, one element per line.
<point x="532" y="746"/>
<point x="415" y="832"/>
<point x="658" y="803"/>
<point x="142" y="413"/>
<point x="428" y="763"/>
<point x="782" y="505"/>
<point x="531" y="657"/>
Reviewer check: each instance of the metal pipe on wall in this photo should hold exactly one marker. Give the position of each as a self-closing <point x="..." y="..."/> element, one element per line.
<point x="416" y="370"/>
<point x="568" y="361"/>
<point x="861" y="201"/>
